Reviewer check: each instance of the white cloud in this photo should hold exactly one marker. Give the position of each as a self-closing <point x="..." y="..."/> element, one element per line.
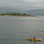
<point x="23" y="4"/>
<point x="33" y="0"/>
<point x="30" y="0"/>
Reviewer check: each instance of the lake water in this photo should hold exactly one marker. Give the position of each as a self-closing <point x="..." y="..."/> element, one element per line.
<point x="15" y="30"/>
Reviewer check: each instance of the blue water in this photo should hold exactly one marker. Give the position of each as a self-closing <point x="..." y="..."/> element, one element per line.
<point x="15" y="30"/>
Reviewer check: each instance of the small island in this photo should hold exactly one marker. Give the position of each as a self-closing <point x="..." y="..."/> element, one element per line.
<point x="15" y="14"/>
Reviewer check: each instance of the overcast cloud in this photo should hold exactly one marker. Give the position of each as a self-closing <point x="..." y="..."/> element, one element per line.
<point x="23" y="4"/>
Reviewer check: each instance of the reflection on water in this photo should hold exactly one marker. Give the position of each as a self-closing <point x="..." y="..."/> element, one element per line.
<point x="15" y="30"/>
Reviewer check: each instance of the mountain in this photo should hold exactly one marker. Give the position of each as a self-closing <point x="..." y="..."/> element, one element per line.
<point x="36" y="12"/>
<point x="17" y="10"/>
<point x="9" y="10"/>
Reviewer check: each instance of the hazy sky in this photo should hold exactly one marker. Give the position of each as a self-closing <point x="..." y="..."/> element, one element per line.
<point x="23" y="4"/>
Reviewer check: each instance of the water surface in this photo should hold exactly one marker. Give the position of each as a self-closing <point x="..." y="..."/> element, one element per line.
<point x="15" y="30"/>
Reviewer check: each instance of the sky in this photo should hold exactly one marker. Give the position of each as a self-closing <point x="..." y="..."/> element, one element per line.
<point x="23" y="4"/>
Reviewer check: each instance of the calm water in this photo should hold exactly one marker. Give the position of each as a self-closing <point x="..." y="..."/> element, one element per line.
<point x="15" y="30"/>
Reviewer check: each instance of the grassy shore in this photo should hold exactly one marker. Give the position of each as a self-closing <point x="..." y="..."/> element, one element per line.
<point x="16" y="14"/>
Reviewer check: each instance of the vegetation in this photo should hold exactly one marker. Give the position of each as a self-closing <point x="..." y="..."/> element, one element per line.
<point x="15" y="14"/>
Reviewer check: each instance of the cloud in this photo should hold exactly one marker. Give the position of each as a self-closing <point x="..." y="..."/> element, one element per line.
<point x="33" y="0"/>
<point x="30" y="0"/>
<point x="23" y="4"/>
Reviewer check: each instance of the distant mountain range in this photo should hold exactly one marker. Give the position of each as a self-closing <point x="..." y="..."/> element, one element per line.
<point x="15" y="10"/>
<point x="9" y="10"/>
<point x="36" y="12"/>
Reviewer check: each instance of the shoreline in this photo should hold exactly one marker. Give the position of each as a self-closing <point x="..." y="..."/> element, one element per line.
<point x="22" y="16"/>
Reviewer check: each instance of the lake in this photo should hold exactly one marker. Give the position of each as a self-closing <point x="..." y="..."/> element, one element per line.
<point x="15" y="30"/>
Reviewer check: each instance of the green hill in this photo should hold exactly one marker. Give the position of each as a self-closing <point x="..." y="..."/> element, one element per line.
<point x="15" y="14"/>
